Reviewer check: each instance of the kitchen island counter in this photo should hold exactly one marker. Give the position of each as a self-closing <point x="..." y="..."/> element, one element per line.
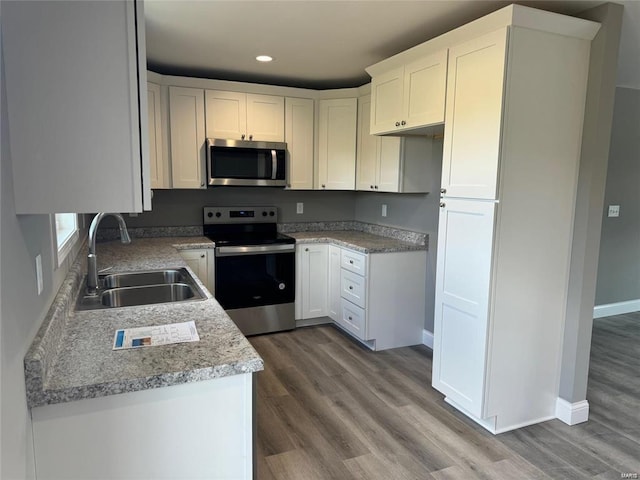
<point x="72" y="358"/>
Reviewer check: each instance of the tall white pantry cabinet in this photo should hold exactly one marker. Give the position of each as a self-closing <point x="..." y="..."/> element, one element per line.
<point x="514" y="112"/>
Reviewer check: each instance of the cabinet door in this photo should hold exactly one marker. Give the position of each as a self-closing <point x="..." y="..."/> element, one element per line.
<point x="226" y="114"/>
<point x="337" y="144"/>
<point x="334" y="282"/>
<point x="198" y="261"/>
<point x="474" y="114"/>
<point x="265" y="118"/>
<point x="298" y="134"/>
<point x="186" y="112"/>
<point x="463" y="273"/>
<point x="76" y="84"/>
<point x="368" y="148"/>
<point x="314" y="284"/>
<point x="156" y="160"/>
<point x="425" y="84"/>
<point x="386" y="101"/>
<point x="389" y="164"/>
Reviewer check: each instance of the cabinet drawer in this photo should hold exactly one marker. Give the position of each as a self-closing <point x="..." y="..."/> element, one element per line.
<point x="354" y="262"/>
<point x="353" y="288"/>
<point x="352" y="318"/>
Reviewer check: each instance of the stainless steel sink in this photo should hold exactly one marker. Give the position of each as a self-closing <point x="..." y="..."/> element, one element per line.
<point x="128" y="289"/>
<point x="145" y="295"/>
<point x="137" y="279"/>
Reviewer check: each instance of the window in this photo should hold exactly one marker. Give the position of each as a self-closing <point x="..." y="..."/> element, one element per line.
<point x="65" y="231"/>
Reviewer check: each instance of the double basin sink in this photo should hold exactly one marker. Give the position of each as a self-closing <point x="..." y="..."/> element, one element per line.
<point x="147" y="287"/>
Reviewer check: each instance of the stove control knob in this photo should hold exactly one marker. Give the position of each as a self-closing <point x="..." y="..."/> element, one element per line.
<point x="264" y="214"/>
<point x="272" y="213"/>
<point x="218" y="214"/>
<point x="210" y="214"/>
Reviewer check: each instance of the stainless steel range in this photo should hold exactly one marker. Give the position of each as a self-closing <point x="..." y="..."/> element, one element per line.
<point x="254" y="267"/>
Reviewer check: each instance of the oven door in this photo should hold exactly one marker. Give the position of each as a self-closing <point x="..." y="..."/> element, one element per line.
<point x="254" y="276"/>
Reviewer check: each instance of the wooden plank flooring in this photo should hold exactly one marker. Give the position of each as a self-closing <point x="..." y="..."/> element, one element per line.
<point x="329" y="408"/>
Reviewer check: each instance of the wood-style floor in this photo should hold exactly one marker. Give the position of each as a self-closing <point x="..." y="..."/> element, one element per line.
<point x="331" y="409"/>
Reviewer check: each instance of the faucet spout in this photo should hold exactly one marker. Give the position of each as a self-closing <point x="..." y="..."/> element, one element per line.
<point x="92" y="259"/>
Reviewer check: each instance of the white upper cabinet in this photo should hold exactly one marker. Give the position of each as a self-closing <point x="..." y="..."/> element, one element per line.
<point x="298" y="133"/>
<point x="409" y="97"/>
<point x="337" y="144"/>
<point x="474" y="117"/>
<point x="76" y="83"/>
<point x="244" y="116"/>
<point x="391" y="164"/>
<point x="158" y="173"/>
<point x="188" y="151"/>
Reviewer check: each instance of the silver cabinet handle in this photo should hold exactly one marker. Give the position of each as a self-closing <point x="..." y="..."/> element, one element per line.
<point x="376" y="187"/>
<point x="351" y="262"/>
<point x="202" y="256"/>
<point x="442" y="205"/>
<point x="242" y="136"/>
<point x="403" y="122"/>
<point x="323" y="185"/>
<point x="350" y="318"/>
<point x="443" y="190"/>
<point x="306" y="249"/>
<point x="250" y="137"/>
<point x="350" y="287"/>
<point x="202" y="184"/>
<point x="397" y="124"/>
<point x="371" y="186"/>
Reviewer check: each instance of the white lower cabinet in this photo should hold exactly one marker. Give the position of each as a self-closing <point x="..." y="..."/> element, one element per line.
<point x="334" y="282"/>
<point x="311" y="281"/>
<point x="202" y="262"/>
<point x="378" y="298"/>
<point x="193" y="430"/>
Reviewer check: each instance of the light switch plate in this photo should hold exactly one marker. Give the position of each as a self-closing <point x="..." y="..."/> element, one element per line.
<point x="299" y="207"/>
<point x="614" y="211"/>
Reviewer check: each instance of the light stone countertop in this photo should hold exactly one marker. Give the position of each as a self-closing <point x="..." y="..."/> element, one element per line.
<point x="71" y="357"/>
<point x="358" y="241"/>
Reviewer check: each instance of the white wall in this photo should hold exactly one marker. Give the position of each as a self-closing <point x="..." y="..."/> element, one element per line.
<point x="21" y="310"/>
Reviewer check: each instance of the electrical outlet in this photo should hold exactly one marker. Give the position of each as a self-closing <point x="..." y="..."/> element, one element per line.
<point x="384" y="209"/>
<point x="614" y="211"/>
<point x="299" y="207"/>
<point x="39" y="274"/>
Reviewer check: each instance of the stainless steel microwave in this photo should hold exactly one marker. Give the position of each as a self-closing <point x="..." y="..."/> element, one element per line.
<point x="246" y="163"/>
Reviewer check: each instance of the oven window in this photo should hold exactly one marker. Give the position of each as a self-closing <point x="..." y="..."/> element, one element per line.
<point x="244" y="281"/>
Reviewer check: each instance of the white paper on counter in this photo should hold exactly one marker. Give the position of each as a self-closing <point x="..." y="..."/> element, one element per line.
<point x="155" y="335"/>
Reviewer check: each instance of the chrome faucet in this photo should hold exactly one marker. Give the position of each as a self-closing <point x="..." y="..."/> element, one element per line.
<point x="92" y="259"/>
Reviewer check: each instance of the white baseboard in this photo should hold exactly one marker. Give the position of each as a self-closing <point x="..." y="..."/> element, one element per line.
<point x="617" y="308"/>
<point x="427" y="338"/>
<point x="572" y="413"/>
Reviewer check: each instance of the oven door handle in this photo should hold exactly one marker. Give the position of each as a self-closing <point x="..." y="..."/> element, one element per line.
<point x="254" y="250"/>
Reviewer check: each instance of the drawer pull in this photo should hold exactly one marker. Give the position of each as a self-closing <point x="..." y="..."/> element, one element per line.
<point x="350" y="318"/>
<point x="350" y="287"/>
<point x="351" y="262"/>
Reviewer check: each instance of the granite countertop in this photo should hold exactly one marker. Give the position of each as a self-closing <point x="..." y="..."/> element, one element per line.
<point x="71" y="357"/>
<point x="360" y="241"/>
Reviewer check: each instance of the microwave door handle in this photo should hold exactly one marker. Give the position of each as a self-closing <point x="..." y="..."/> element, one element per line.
<point x="274" y="165"/>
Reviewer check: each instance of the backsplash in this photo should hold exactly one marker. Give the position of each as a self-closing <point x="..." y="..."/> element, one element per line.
<point x="105" y="234"/>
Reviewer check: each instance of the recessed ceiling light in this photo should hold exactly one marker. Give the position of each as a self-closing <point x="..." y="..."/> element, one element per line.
<point x="264" y="58"/>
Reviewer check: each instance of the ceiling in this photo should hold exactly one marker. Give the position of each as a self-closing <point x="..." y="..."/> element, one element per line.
<point x="315" y="44"/>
